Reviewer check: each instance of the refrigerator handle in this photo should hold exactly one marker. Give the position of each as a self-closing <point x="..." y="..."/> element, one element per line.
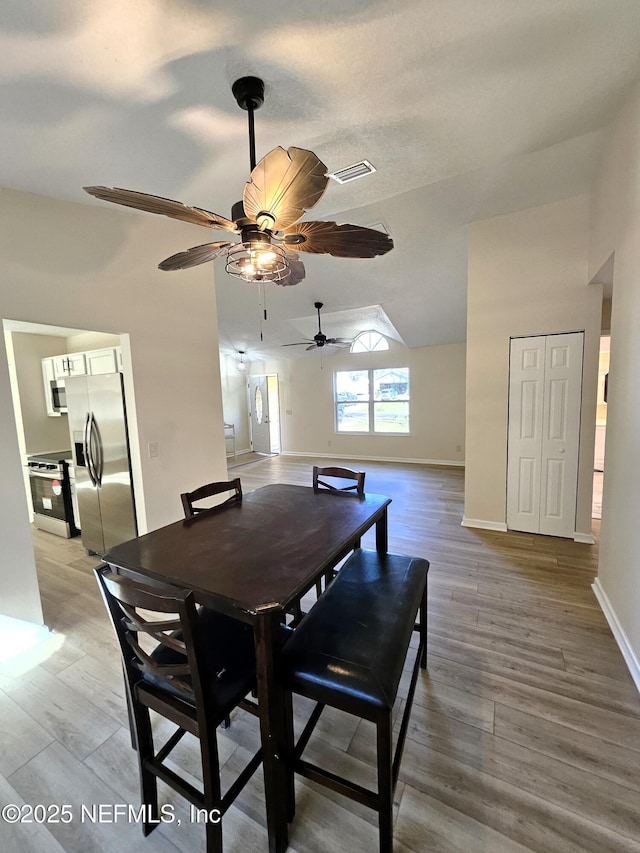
<point x="96" y="444"/>
<point x="87" y="449"/>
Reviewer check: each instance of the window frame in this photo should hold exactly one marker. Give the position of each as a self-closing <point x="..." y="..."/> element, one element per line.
<point x="360" y="338"/>
<point x="371" y="402"/>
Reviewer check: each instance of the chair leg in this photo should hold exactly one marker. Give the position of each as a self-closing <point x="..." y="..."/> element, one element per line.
<point x="385" y="782"/>
<point x="148" y="780"/>
<point x="423" y="628"/>
<point x="214" y="837"/>
<point x="211" y="787"/>
<point x="291" y="793"/>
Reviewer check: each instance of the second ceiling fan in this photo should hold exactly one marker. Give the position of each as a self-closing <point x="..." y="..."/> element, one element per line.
<point x="282" y="186"/>
<point x="320" y="339"/>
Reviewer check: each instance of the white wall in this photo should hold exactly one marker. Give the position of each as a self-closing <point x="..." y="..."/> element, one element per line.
<point x="41" y="432"/>
<point x="527" y="276"/>
<point x="437" y="388"/>
<point x="89" y="267"/>
<point x="615" y="227"/>
<point x="234" y="401"/>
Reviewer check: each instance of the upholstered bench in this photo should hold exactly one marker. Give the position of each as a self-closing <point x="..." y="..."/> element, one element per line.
<point x="349" y="653"/>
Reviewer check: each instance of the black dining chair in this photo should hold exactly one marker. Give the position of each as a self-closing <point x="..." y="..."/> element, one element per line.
<point x="210" y="490"/>
<point x="336" y="473"/>
<point x="324" y="480"/>
<point x="191" y="666"/>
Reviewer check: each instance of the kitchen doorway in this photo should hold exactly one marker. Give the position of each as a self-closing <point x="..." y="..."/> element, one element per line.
<point x="41" y="357"/>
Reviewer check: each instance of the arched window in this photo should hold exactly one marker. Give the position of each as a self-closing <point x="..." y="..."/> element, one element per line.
<point x="370" y="342"/>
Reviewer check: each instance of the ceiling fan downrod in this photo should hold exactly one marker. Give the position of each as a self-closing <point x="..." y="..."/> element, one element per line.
<point x="249" y="94"/>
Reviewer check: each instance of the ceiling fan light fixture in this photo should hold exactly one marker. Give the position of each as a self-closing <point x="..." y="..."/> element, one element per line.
<point x="257" y="261"/>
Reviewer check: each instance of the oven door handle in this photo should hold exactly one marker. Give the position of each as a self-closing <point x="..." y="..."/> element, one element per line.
<point x="45" y="475"/>
<point x="87" y="449"/>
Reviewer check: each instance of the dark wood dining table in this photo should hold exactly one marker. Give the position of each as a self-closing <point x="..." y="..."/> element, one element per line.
<point x="253" y="561"/>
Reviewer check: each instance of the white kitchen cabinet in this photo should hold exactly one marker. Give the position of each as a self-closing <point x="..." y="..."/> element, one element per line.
<point x="72" y="364"/>
<point x="60" y="367"/>
<point x="102" y="361"/>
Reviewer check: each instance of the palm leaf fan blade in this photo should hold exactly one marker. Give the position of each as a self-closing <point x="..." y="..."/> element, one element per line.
<point x="282" y="186"/>
<point x="195" y="256"/>
<point x="162" y="206"/>
<point x="341" y="241"/>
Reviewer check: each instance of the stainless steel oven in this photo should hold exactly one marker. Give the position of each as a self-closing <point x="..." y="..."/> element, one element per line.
<point x="51" y="493"/>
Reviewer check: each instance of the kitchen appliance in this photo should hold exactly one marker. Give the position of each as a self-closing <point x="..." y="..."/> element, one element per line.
<point x="103" y="487"/>
<point x="58" y="395"/>
<point x="51" y="492"/>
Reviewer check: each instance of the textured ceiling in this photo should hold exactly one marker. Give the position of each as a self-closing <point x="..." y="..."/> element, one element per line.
<point x="466" y="110"/>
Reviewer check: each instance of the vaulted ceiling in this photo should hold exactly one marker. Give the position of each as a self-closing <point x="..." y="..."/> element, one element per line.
<point x="466" y="109"/>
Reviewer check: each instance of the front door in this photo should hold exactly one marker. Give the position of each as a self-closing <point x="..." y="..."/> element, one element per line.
<point x="259" y="414"/>
<point x="545" y="394"/>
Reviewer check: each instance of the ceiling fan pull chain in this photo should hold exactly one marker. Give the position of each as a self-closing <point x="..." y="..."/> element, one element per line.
<point x="262" y="312"/>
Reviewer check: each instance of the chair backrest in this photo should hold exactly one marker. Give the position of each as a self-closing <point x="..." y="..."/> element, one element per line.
<point x="339" y="473"/>
<point x="159" y="645"/>
<point x="210" y="490"/>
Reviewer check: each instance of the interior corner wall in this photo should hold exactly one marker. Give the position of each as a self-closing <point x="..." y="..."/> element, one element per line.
<point x="41" y="432"/>
<point x="437" y="391"/>
<point x="85" y="266"/>
<point x="527" y="276"/>
<point x="615" y="228"/>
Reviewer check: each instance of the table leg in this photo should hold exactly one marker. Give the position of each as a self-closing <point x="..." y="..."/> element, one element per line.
<point x="272" y="726"/>
<point x="382" y="543"/>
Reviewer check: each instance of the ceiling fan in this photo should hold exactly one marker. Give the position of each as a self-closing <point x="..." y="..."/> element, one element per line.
<point x="321" y="340"/>
<point x="282" y="186"/>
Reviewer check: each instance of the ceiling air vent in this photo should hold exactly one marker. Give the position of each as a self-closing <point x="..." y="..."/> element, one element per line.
<point x="350" y="173"/>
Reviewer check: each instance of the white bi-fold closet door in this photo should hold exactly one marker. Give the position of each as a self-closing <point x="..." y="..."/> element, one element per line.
<point x="545" y="394"/>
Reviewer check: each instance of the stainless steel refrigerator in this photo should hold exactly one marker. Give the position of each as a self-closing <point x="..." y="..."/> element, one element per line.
<point x="98" y="428"/>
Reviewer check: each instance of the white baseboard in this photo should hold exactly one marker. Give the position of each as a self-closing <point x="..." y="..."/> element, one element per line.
<point x="585" y="538"/>
<point x="499" y="526"/>
<point x="401" y="460"/>
<point x="618" y="632"/>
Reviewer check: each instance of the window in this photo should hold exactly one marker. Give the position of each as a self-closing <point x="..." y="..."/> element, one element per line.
<point x="372" y="401"/>
<point x="370" y="342"/>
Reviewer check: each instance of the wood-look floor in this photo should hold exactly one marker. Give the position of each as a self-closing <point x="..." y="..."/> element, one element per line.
<point x="524" y="735"/>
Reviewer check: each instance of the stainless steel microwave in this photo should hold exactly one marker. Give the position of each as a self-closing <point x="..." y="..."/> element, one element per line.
<point x="58" y="396"/>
